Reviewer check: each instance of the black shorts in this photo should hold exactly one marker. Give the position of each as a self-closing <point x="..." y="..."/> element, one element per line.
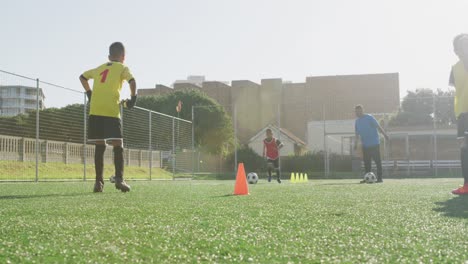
<point x="462" y="125"/>
<point x="275" y="163"/>
<point x="104" y="128"/>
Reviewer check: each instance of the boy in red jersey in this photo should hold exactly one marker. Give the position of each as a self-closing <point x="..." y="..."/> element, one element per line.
<point x="271" y="148"/>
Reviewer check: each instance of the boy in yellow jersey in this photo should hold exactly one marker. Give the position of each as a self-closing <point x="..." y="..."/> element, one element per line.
<point x="459" y="80"/>
<point x="104" y="124"/>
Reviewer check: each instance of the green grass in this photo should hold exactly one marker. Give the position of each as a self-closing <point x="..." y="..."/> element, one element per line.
<point x="26" y="171"/>
<point x="329" y="221"/>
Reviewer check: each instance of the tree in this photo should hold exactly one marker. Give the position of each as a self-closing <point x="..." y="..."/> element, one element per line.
<point x="445" y="114"/>
<point x="60" y="124"/>
<point x="212" y="126"/>
<point x="417" y="108"/>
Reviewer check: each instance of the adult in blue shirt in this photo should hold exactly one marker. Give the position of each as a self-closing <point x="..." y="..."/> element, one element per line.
<point x="367" y="128"/>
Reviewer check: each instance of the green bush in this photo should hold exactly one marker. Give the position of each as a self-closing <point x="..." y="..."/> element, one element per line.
<point x="310" y="162"/>
<point x="252" y="161"/>
<point x="314" y="162"/>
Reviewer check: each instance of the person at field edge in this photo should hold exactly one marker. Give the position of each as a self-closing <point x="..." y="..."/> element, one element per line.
<point x="104" y="125"/>
<point x="271" y="147"/>
<point x="459" y="80"/>
<point x="367" y="128"/>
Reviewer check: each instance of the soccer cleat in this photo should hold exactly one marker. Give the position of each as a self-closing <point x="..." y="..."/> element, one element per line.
<point x="269" y="178"/>
<point x="279" y="180"/>
<point x="122" y="185"/>
<point x="98" y="187"/>
<point x="462" y="190"/>
<point x="363" y="181"/>
<point x="379" y="181"/>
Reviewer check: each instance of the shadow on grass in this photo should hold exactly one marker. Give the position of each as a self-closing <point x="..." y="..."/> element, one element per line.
<point x="223" y="196"/>
<point x="33" y="196"/>
<point x="345" y="183"/>
<point x="455" y="207"/>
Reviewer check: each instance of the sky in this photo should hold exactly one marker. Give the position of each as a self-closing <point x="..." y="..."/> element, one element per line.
<point x="225" y="40"/>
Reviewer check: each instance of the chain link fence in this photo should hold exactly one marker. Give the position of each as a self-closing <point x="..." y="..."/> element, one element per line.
<point x="319" y="139"/>
<point x="43" y="136"/>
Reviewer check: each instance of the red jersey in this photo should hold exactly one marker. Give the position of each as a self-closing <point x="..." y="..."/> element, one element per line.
<point x="271" y="148"/>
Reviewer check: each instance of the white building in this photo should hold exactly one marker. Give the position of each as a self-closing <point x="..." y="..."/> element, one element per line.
<point x="18" y="99"/>
<point x="337" y="132"/>
<point x="292" y="145"/>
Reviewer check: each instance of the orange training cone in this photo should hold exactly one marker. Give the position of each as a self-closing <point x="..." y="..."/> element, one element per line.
<point x="241" y="187"/>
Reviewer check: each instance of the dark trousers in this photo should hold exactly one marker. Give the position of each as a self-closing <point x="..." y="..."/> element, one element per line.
<point x="462" y="125"/>
<point x="275" y="164"/>
<point x="464" y="162"/>
<point x="369" y="154"/>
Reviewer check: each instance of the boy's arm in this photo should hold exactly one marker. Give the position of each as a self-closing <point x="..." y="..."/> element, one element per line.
<point x="280" y="144"/>
<point x="131" y="103"/>
<point x="85" y="84"/>
<point x="451" y="79"/>
<point x="133" y="88"/>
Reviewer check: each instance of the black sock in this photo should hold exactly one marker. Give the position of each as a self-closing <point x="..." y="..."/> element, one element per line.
<point x="99" y="162"/>
<point x="464" y="163"/>
<point x="278" y="174"/>
<point x="118" y="162"/>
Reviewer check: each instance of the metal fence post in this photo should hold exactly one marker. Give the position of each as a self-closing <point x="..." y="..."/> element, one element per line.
<point x="407" y="150"/>
<point x="37" y="129"/>
<point x="235" y="140"/>
<point x="150" y="148"/>
<point x="325" y="146"/>
<point x="193" y="142"/>
<point x="435" y="163"/>
<point x="173" y="149"/>
<point x="85" y="135"/>
<point x="279" y="133"/>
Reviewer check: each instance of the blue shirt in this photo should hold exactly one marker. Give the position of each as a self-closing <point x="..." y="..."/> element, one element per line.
<point x="366" y="128"/>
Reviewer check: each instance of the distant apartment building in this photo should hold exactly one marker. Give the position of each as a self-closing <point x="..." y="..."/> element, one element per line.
<point x="293" y="105"/>
<point x="18" y="99"/>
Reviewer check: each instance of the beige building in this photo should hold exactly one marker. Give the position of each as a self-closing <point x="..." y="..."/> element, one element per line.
<point x="293" y="105"/>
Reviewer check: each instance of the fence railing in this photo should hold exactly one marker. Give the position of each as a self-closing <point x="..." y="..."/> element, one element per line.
<point x="24" y="149"/>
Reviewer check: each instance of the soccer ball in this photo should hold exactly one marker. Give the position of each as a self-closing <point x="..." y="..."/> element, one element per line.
<point x="112" y="179"/>
<point x="370" y="177"/>
<point x="252" y="178"/>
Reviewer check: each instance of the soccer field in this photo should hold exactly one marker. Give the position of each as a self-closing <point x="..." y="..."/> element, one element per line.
<point x="400" y="221"/>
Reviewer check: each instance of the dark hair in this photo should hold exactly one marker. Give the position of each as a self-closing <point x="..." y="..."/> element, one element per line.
<point x="268" y="130"/>
<point x="359" y="106"/>
<point x="457" y="39"/>
<point x="116" y="49"/>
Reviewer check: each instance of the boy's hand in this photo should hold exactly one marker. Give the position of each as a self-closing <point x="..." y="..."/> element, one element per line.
<point x="130" y="103"/>
<point x="88" y="94"/>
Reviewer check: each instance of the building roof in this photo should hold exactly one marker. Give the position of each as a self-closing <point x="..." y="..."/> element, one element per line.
<point x="284" y="132"/>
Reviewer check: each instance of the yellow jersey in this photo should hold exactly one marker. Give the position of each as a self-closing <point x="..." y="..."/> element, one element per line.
<point x="107" y="85"/>
<point x="460" y="81"/>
